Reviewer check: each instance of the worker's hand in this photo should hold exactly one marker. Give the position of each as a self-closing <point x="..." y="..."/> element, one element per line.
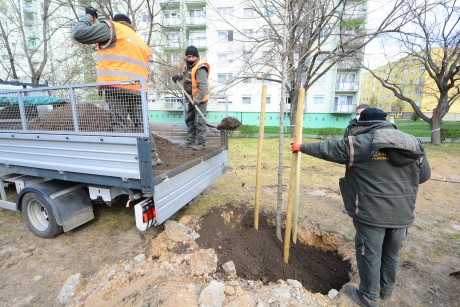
<point x="175" y="78"/>
<point x="295" y="147"/>
<point x="92" y="11"/>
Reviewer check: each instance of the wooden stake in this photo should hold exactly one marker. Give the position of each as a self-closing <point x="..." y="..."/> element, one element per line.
<point x="259" y="155"/>
<point x="295" y="168"/>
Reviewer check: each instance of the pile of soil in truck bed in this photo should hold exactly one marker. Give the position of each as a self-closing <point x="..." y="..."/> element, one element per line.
<point x="60" y="119"/>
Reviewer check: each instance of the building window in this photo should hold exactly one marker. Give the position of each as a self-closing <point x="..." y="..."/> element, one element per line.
<point x="224" y="100"/>
<point x="248" y="12"/>
<point x="267" y="78"/>
<point x="268" y="100"/>
<point x="222" y="58"/>
<point x="418" y="81"/>
<point x="321" y="80"/>
<point x="248" y="34"/>
<point x="421" y="68"/>
<point x="343" y="100"/>
<point x="225" y="36"/>
<point x="246" y="99"/>
<point x="267" y="56"/>
<point x="247" y="80"/>
<point x="418" y="92"/>
<point x="225" y="12"/>
<point x="267" y="12"/>
<point x="318" y="100"/>
<point x="403" y="80"/>
<point x="267" y="33"/>
<point x="224" y="78"/>
<point x="247" y="56"/>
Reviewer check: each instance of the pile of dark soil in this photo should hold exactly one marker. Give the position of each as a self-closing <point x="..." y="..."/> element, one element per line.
<point x="258" y="255"/>
<point x="173" y="156"/>
<point x="90" y="119"/>
<point x="229" y="123"/>
<point x="12" y="112"/>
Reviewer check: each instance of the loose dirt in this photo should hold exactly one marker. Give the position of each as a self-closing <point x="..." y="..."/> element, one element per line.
<point x="33" y="270"/>
<point x="258" y="254"/>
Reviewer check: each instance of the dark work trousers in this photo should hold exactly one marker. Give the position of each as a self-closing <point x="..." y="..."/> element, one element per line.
<point x="377" y="256"/>
<point x="126" y="114"/>
<point x="196" y="126"/>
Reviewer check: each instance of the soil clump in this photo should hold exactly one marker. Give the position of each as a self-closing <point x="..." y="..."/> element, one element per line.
<point x="228" y="123"/>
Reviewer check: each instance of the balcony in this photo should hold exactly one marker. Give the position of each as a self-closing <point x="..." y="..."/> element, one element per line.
<point x="166" y="104"/>
<point x="347" y="65"/>
<point x="346" y="86"/>
<point x="172" y="22"/>
<point x="195" y="3"/>
<point x="343" y="108"/>
<point x="354" y="14"/>
<point x="195" y="21"/>
<point x="197" y="42"/>
<point x="169" y="3"/>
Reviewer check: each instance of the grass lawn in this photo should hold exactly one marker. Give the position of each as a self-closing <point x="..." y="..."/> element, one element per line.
<point x="417" y="128"/>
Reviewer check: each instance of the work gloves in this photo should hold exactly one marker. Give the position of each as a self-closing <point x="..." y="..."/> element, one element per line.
<point x="295" y="147"/>
<point x="92" y="11"/>
<point x="175" y="78"/>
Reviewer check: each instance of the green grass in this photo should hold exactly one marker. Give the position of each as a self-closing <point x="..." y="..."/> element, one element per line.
<point x="417" y="128"/>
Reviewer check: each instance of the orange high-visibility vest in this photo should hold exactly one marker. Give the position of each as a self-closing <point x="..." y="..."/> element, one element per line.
<point x="127" y="60"/>
<point x="195" y="87"/>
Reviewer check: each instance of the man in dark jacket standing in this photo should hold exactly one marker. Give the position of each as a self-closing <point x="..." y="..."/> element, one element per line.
<point x="384" y="169"/>
<point x="195" y="76"/>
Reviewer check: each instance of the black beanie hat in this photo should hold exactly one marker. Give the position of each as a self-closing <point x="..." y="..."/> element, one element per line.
<point x="370" y="116"/>
<point x="121" y="17"/>
<point x="191" y="50"/>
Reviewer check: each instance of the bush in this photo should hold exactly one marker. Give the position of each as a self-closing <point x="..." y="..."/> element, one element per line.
<point x="415" y="117"/>
<point x="325" y="133"/>
<point x="452" y="133"/>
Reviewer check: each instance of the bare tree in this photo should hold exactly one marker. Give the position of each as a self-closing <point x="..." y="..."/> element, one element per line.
<point x="430" y="41"/>
<point x="320" y="35"/>
<point x="35" y="40"/>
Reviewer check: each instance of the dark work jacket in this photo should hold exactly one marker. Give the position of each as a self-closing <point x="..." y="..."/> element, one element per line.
<point x="384" y="169"/>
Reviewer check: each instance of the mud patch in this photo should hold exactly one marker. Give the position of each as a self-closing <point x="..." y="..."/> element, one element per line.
<point x="258" y="255"/>
<point x="228" y="123"/>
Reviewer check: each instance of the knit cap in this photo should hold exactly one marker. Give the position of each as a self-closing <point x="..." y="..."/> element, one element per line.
<point x="371" y="116"/>
<point x="191" y="50"/>
<point x="122" y="17"/>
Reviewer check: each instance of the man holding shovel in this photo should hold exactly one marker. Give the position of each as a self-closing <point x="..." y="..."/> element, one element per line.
<point x="195" y="84"/>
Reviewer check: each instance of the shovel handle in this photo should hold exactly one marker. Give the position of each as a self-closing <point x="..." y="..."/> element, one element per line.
<point x="196" y="107"/>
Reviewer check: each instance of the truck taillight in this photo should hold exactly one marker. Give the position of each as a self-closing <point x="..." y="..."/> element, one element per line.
<point x="145" y="214"/>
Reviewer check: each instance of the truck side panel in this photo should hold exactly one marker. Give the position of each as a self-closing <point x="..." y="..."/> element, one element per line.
<point x="174" y="193"/>
<point x="103" y="156"/>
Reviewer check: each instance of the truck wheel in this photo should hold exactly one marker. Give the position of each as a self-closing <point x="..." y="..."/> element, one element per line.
<point x="39" y="216"/>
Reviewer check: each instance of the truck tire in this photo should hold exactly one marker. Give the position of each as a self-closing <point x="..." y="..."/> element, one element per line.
<point x="39" y="216"/>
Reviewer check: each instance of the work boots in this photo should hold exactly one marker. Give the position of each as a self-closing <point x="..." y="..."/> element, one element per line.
<point x="199" y="147"/>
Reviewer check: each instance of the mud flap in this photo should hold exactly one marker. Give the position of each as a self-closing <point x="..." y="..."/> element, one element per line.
<point x="71" y="204"/>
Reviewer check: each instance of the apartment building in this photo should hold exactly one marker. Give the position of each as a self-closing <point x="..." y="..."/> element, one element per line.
<point x="410" y="75"/>
<point x="224" y="33"/>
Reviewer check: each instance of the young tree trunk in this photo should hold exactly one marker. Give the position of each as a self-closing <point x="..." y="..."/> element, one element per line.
<point x="281" y="132"/>
<point x="435" y="124"/>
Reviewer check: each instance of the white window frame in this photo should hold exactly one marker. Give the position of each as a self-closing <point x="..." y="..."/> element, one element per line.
<point x="222" y="58"/>
<point x="225" y="35"/>
<point x="248" y="12"/>
<point x="225" y="12"/>
<point x="246" y="99"/>
<point x="318" y="100"/>
<point x="228" y="78"/>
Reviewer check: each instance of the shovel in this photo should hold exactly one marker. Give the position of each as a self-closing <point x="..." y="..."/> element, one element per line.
<point x="196" y="107"/>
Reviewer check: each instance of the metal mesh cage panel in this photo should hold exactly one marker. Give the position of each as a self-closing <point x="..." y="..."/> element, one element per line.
<point x="109" y="108"/>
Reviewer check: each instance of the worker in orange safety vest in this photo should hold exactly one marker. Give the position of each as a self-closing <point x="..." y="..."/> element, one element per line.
<point x="122" y="56"/>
